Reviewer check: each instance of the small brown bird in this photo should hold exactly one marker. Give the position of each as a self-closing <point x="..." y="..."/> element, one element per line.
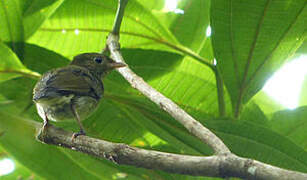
<point x="73" y="91"/>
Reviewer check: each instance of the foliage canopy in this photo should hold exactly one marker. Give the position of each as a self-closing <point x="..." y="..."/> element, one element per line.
<point x="250" y="41"/>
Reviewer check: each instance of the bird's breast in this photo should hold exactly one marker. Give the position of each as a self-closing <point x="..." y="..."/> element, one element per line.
<point x="60" y="109"/>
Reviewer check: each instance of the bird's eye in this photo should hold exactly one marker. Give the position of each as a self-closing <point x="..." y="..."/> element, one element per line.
<point x="98" y="60"/>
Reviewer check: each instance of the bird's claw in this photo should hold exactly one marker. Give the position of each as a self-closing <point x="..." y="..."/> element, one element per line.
<point x="110" y="157"/>
<point x="75" y="135"/>
<point x="43" y="131"/>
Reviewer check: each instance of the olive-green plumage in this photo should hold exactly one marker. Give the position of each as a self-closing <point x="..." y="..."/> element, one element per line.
<point x="73" y="91"/>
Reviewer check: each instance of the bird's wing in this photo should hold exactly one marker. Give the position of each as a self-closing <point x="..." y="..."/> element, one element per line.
<point x="67" y="80"/>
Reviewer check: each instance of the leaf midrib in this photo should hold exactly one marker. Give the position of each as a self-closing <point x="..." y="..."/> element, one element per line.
<point x="263" y="144"/>
<point x="141" y="23"/>
<point x="7" y="20"/>
<point x="233" y="57"/>
<point x="177" y="47"/>
<point x="277" y="45"/>
<point x="78" y="163"/>
<point x="248" y="61"/>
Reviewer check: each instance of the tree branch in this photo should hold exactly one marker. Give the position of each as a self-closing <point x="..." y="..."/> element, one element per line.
<point x="166" y="104"/>
<point x="227" y="165"/>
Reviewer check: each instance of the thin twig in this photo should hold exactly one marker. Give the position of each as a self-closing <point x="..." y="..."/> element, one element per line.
<point x="119" y="16"/>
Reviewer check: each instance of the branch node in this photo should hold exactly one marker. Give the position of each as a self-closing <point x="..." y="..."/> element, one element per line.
<point x="113" y="42"/>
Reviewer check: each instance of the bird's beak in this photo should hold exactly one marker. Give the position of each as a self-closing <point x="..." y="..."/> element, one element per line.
<point x="114" y="65"/>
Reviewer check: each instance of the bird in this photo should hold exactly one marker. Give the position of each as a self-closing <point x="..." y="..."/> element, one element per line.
<point x="73" y="92"/>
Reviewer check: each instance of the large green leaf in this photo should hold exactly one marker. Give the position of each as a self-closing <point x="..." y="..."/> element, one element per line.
<point x="11" y="30"/>
<point x="10" y="66"/>
<point x="36" y="12"/>
<point x="253" y="113"/>
<point x="88" y="22"/>
<point x="292" y="124"/>
<point x="251" y="39"/>
<point x="19" y="170"/>
<point x="21" y="18"/>
<point x="19" y="140"/>
<point x="250" y="140"/>
<point x="266" y="103"/>
<point x="190" y="27"/>
<point x="34" y="55"/>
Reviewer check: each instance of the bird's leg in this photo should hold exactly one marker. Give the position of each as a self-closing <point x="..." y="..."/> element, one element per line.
<point x="46" y="121"/>
<point x="81" y="132"/>
<point x="45" y="126"/>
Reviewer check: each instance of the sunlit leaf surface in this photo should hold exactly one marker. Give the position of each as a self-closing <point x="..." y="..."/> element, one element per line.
<point x="248" y="51"/>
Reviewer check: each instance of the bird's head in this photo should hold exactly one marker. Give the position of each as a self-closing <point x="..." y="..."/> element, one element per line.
<point x="98" y="64"/>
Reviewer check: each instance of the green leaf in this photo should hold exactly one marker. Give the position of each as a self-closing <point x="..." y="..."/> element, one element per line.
<point x="249" y="51"/>
<point x="267" y="104"/>
<point x="253" y="141"/>
<point x="292" y="124"/>
<point x="303" y="48"/>
<point x="11" y="30"/>
<point x="34" y="55"/>
<point x="19" y="170"/>
<point x="303" y="94"/>
<point x="254" y="114"/>
<point x="19" y="140"/>
<point x="36" y="12"/>
<point x="32" y="6"/>
<point x="152" y="5"/>
<point x="190" y="27"/>
<point x="88" y="22"/>
<point x="156" y="62"/>
<point x="10" y="66"/>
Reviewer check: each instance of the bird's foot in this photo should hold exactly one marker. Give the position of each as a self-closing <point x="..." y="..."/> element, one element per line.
<point x="43" y="132"/>
<point x="45" y="126"/>
<point x="75" y="135"/>
<point x="110" y="156"/>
